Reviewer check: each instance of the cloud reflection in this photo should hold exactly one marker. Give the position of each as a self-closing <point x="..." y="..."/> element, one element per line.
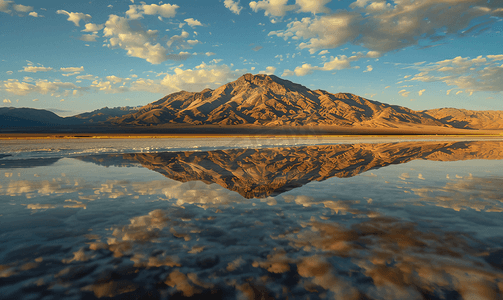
<point x="477" y="193"/>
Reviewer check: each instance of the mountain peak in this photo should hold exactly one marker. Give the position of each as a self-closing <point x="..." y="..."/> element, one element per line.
<point x="264" y="80"/>
<point x="258" y="79"/>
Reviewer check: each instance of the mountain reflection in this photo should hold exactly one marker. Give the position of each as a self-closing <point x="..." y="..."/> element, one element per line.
<point x="259" y="173"/>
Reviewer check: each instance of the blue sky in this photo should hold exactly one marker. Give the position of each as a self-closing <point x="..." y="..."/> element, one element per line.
<point x="77" y="56"/>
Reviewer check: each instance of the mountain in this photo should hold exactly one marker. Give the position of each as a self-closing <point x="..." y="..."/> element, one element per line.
<point x="258" y="173"/>
<point x="103" y="114"/>
<point x="468" y="119"/>
<point x="268" y="100"/>
<point x="11" y="117"/>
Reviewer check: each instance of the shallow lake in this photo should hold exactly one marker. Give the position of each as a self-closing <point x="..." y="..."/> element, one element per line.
<point x="250" y="218"/>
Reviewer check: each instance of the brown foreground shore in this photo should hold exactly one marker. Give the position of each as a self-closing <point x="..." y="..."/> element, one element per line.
<point x="234" y="131"/>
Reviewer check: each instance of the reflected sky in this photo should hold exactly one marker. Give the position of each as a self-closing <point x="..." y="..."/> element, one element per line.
<point x="362" y="221"/>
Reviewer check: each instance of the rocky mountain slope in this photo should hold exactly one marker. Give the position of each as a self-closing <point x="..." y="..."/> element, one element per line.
<point x="271" y="101"/>
<point x="258" y="173"/>
<point x="468" y="119"/>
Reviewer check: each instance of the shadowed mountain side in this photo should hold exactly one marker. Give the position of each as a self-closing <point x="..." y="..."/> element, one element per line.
<point x="468" y="119"/>
<point x="268" y="100"/>
<point x="102" y="114"/>
<point x="258" y="173"/>
<point x="26" y="163"/>
<point x="109" y="160"/>
<point x="12" y="117"/>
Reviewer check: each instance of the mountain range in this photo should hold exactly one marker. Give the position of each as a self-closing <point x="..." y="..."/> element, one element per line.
<point x="264" y="101"/>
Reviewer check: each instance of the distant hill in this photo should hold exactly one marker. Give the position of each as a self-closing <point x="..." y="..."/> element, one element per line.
<point x="468" y="119"/>
<point x="103" y="114"/>
<point x="11" y="117"/>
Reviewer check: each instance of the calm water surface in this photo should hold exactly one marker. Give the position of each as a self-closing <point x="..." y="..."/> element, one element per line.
<point x="251" y="219"/>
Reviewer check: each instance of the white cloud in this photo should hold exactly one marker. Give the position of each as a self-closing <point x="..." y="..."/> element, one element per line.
<point x="323" y="52"/>
<point x="5" y="6"/>
<point x="369" y="69"/>
<point x="164" y="10"/>
<point x="87" y="77"/>
<point x="373" y="54"/>
<point x="88" y="37"/>
<point x="114" y="79"/>
<point x="141" y="43"/>
<point x="149" y="85"/>
<point x="177" y="38"/>
<point x="70" y="74"/>
<point x="22" y="8"/>
<point x="192" y="23"/>
<point x="14" y="86"/>
<point x="193" y="42"/>
<point x="276" y="8"/>
<point x="471" y="75"/>
<point x="305" y="69"/>
<point x="315" y="7"/>
<point x="10" y="7"/>
<point x="380" y="27"/>
<point x="91" y="27"/>
<point x="233" y="6"/>
<point x="72" y="69"/>
<point x="106" y="86"/>
<point x="421" y="92"/>
<point x="209" y="53"/>
<point x="34" y="69"/>
<point x="6" y="101"/>
<point x="33" y="14"/>
<point x="74" y="17"/>
<point x="200" y="77"/>
<point x="359" y="3"/>
<point x="495" y="57"/>
<point x="335" y="63"/>
<point x="268" y="70"/>
<point x="287" y="72"/>
<point x="404" y="93"/>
